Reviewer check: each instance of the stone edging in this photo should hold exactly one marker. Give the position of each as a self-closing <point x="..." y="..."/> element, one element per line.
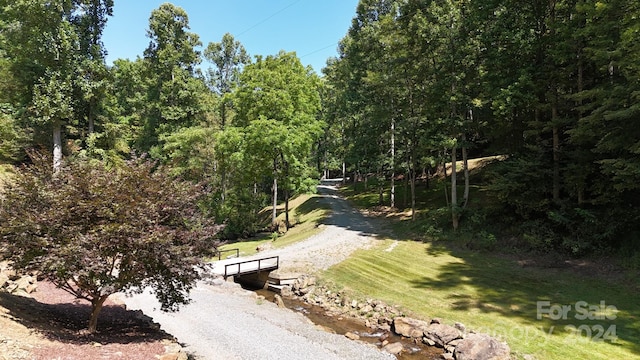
<point x="458" y="342"/>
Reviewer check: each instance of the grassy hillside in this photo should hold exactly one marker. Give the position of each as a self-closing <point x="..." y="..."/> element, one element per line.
<point x="306" y="212"/>
<point x="497" y="295"/>
<point x="497" y="287"/>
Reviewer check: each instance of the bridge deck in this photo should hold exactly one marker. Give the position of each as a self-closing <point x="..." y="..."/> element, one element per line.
<point x="237" y="268"/>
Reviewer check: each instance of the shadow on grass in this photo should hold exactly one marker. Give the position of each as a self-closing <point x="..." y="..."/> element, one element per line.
<point x="503" y="287"/>
<point x="67" y="322"/>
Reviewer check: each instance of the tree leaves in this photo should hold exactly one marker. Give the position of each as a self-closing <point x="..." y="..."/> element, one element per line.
<point x="94" y="231"/>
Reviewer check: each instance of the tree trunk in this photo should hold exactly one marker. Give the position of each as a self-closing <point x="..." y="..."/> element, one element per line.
<point x="556" y="154"/>
<point x="465" y="162"/>
<point x="57" y="146"/>
<point x="454" y="191"/>
<point x="444" y="181"/>
<point x="274" y="212"/>
<point x="286" y="209"/>
<point x="96" y="306"/>
<point x="381" y="180"/>
<point x="392" y="202"/>
<point x="581" y="186"/>
<point x="405" y="193"/>
<point x="223" y="114"/>
<point x="91" y="116"/>
<point x="413" y="195"/>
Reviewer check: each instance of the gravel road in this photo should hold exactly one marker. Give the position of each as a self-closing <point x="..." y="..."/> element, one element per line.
<point x="226" y="322"/>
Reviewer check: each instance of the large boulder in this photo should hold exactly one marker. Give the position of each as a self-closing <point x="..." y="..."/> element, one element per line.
<point x="441" y="334"/>
<point x="408" y="327"/>
<point x="303" y="285"/>
<point x="481" y="347"/>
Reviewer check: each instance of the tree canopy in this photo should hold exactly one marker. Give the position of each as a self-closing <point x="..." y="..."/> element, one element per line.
<point x="417" y="84"/>
<point x="94" y="231"/>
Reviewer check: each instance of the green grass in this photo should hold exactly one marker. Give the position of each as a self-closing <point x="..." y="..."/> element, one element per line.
<point x="306" y="212"/>
<point x="494" y="295"/>
<point x="440" y="276"/>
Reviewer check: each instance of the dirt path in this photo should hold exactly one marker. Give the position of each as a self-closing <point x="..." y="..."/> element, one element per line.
<point x="345" y="230"/>
<point x="226" y="322"/>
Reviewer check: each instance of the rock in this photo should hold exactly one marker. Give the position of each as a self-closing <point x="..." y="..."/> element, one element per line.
<point x="384" y="336"/>
<point x="3" y="280"/>
<point x="447" y="356"/>
<point x="325" y="329"/>
<point x="385" y="320"/>
<point x="455" y="342"/>
<point x="409" y="327"/>
<point x="20" y="292"/>
<point x="278" y="300"/>
<point x="264" y="247"/>
<point x="436" y="321"/>
<point x="302" y="282"/>
<point x="428" y="341"/>
<point x="394" y="348"/>
<point x="481" y="347"/>
<point x="304" y="290"/>
<point x="174" y="356"/>
<point x="461" y="327"/>
<point x="173" y="351"/>
<point x="217" y="282"/>
<point x="366" y="309"/>
<point x="441" y="334"/>
<point x="352" y="336"/>
<point x="286" y="291"/>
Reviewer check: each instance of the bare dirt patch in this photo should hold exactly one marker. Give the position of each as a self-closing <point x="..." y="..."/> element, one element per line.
<point x="52" y="324"/>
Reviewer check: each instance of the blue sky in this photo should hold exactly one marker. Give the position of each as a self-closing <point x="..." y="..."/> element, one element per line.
<point x="311" y="28"/>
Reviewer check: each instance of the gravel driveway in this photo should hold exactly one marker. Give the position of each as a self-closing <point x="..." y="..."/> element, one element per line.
<point x="226" y="322"/>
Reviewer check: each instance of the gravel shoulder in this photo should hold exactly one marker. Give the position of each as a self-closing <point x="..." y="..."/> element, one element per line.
<point x="224" y="321"/>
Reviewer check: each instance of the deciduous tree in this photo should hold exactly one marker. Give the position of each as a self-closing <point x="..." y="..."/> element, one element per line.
<point x="94" y="231"/>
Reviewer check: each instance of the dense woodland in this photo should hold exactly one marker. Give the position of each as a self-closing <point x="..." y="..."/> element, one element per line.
<point x="553" y="85"/>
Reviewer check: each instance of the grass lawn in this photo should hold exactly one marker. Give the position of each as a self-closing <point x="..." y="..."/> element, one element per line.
<point x="306" y="212"/>
<point x="495" y="295"/>
<point x="490" y="291"/>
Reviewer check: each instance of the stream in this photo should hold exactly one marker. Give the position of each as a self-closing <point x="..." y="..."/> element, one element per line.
<point x="339" y="325"/>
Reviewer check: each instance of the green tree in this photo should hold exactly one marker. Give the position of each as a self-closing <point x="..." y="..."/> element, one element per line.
<point x="228" y="56"/>
<point x="57" y="65"/>
<point x="174" y="94"/>
<point x="277" y="103"/>
<point x="94" y="231"/>
<point x="12" y="138"/>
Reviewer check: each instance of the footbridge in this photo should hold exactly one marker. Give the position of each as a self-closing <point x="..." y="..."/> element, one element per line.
<point x="238" y="267"/>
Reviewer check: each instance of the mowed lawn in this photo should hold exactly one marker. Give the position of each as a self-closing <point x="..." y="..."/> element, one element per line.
<point x="496" y="295"/>
<point x="306" y="212"/>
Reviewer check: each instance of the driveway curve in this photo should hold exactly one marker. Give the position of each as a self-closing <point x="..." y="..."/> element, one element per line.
<point x="224" y="321"/>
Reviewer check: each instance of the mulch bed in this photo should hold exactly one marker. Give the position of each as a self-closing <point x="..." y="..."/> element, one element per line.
<point x="63" y="319"/>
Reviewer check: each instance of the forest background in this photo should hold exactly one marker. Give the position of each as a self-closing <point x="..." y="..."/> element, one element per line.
<point x="552" y="86"/>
